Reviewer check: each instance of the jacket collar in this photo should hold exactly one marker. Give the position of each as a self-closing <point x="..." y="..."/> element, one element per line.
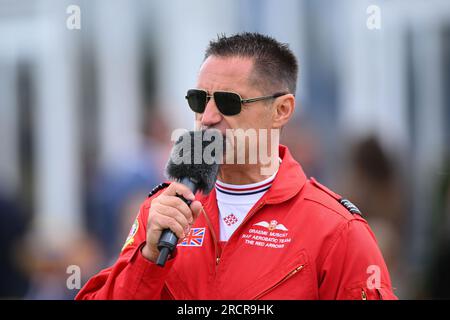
<point x="289" y="180"/>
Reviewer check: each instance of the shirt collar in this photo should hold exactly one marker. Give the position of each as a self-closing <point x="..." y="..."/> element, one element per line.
<point x="289" y="180"/>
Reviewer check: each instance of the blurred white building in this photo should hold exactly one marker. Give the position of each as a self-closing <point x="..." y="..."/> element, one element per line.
<point x="66" y="93"/>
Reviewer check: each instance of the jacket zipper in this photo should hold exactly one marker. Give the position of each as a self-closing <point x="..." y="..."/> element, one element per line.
<point x="285" y="278"/>
<point x="250" y="214"/>
<point x="363" y="295"/>
<point x="213" y="234"/>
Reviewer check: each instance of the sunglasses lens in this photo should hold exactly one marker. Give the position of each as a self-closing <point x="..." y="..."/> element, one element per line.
<point x="196" y="100"/>
<point x="228" y="103"/>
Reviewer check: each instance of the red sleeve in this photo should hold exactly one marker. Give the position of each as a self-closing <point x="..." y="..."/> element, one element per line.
<point x="132" y="276"/>
<point x="354" y="267"/>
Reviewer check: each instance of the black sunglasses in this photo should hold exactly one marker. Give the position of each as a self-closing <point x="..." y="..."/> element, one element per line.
<point x="228" y="103"/>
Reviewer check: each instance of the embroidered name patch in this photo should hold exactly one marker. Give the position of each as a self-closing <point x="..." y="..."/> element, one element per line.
<point x="267" y="234"/>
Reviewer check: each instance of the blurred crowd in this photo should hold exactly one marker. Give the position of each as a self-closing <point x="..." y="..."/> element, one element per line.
<point x="404" y="195"/>
<point x="370" y="176"/>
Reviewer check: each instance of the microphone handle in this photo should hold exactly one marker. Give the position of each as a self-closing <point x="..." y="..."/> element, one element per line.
<point x="168" y="240"/>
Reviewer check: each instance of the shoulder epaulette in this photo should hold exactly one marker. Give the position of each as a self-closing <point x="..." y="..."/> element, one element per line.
<point x="350" y="206"/>
<point x="345" y="202"/>
<point x="157" y="188"/>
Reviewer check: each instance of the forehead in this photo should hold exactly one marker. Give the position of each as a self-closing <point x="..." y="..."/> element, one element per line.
<point x="230" y="73"/>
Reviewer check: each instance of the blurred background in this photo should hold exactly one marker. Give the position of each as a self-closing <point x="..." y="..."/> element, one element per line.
<point x="86" y="117"/>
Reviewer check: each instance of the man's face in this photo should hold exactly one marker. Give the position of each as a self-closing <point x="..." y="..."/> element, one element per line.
<point x="234" y="74"/>
<point x="231" y="74"/>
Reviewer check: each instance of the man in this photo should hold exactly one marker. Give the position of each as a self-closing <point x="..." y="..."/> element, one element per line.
<point x="257" y="235"/>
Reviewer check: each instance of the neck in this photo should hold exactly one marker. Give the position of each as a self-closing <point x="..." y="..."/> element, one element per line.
<point x="247" y="173"/>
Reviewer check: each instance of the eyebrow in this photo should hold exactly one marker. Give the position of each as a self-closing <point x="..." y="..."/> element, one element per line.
<point x="222" y="90"/>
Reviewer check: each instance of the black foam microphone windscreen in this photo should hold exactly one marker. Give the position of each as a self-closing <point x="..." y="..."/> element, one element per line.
<point x="197" y="155"/>
<point x="194" y="162"/>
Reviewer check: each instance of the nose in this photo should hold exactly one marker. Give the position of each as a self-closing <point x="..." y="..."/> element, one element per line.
<point x="211" y="116"/>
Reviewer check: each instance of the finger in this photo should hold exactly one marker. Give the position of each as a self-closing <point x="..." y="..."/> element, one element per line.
<point x="165" y="222"/>
<point x="177" y="203"/>
<point x="177" y="188"/>
<point x="173" y="213"/>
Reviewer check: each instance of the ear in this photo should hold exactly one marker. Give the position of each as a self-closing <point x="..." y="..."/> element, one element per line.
<point x="283" y="111"/>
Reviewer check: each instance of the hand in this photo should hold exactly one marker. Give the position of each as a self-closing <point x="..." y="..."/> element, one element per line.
<point x="167" y="211"/>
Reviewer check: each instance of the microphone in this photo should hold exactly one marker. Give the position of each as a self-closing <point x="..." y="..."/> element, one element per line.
<point x="192" y="165"/>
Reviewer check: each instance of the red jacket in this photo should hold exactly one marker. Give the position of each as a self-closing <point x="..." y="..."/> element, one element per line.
<point x="297" y="242"/>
